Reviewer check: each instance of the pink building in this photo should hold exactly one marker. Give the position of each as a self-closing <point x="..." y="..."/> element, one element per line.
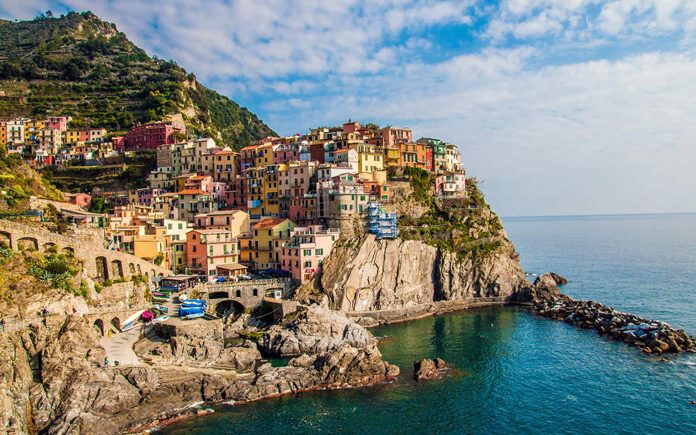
<point x="304" y="253"/>
<point x="393" y="136"/>
<point x="80" y="199"/>
<point x="451" y="185"/>
<point x="57" y="123"/>
<point x="150" y="136"/>
<point x="200" y="182"/>
<point x="287" y="152"/>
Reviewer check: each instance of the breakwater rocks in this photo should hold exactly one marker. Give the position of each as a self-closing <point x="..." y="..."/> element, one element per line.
<point x="651" y="336"/>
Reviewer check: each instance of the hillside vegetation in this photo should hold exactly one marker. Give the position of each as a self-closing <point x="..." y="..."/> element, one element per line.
<point x="465" y="225"/>
<point x="81" y="66"/>
<point x="18" y="182"/>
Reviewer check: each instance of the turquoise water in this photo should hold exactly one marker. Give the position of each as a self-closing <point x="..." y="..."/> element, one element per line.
<point x="519" y="373"/>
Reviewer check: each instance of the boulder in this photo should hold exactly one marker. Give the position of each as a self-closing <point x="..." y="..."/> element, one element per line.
<point x="318" y="329"/>
<point x="428" y="369"/>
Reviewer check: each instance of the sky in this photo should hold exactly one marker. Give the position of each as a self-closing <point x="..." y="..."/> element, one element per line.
<point x="558" y="106"/>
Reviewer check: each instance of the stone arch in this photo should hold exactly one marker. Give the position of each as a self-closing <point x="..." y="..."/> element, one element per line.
<point x="116" y="323"/>
<point x="131" y="268"/>
<point x="6" y="239"/>
<point x="140" y="271"/>
<point x="147" y="277"/>
<point x="116" y="269"/>
<point x="102" y="268"/>
<point x="152" y="274"/>
<point x="255" y="292"/>
<point x="218" y="295"/>
<point x="99" y="326"/>
<point x="225" y="308"/>
<point x="27" y="244"/>
<point x="50" y="247"/>
<point x="238" y="294"/>
<point x="68" y="250"/>
<point x="160" y="275"/>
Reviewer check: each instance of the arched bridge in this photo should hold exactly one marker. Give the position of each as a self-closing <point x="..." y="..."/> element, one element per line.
<point x="99" y="262"/>
<point x="244" y="295"/>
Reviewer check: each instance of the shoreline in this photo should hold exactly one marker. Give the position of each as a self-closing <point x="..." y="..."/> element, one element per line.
<point x="371" y="319"/>
<point x="386" y="317"/>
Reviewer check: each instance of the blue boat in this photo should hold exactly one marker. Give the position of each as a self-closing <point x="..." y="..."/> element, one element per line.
<point x="194" y="316"/>
<point x="185" y="311"/>
<point x="193" y="303"/>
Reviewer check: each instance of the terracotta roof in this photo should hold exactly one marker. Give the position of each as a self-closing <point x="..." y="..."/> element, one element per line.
<point x="249" y="148"/>
<point x="269" y="223"/>
<point x="192" y="192"/>
<point x="199" y="177"/>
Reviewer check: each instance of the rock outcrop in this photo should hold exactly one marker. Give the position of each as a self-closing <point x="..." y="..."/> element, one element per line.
<point x="315" y="330"/>
<point x="426" y="369"/>
<point x="52" y="381"/>
<point x="372" y="275"/>
<point x="195" y="345"/>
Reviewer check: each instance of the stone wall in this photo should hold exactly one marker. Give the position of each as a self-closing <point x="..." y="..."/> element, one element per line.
<point x="99" y="262"/>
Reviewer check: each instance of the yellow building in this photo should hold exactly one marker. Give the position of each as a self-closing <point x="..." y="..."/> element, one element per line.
<point x="370" y="158"/>
<point x="72" y="136"/>
<point x="3" y="133"/>
<point x="268" y="235"/>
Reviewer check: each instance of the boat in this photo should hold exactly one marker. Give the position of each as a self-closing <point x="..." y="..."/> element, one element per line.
<point x="194" y="316"/>
<point x="185" y="311"/>
<point x="161" y="299"/>
<point x="161" y="308"/>
<point x="193" y="303"/>
<point x="131" y="321"/>
<point x="161" y="319"/>
<point x="159" y="294"/>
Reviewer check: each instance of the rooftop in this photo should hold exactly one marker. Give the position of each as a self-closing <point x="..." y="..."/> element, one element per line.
<point x="269" y="223"/>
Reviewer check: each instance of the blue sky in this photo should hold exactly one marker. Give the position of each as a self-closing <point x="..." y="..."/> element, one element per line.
<point x="558" y="106"/>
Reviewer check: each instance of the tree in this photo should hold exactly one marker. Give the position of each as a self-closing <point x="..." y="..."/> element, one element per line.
<point x="98" y="204"/>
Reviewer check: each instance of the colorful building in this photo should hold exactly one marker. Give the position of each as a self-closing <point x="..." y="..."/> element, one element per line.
<point x="235" y="221"/>
<point x="207" y="249"/>
<point x="267" y="236"/>
<point x="303" y="254"/>
<point x="150" y="136"/>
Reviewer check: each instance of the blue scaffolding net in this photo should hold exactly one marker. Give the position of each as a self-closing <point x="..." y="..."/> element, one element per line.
<point x="380" y="223"/>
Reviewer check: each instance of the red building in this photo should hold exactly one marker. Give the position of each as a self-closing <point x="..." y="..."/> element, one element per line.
<point x="57" y="123"/>
<point x="150" y="136"/>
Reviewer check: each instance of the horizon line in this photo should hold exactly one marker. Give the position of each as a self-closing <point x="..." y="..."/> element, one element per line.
<point x="599" y="215"/>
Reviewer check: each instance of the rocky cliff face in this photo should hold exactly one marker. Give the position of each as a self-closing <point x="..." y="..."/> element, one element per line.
<point x="372" y="275"/>
<point x="51" y="380"/>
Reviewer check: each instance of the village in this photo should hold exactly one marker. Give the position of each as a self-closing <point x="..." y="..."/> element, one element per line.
<point x="273" y="209"/>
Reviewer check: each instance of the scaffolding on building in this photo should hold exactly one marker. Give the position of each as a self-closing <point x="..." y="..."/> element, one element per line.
<point x="380" y="223"/>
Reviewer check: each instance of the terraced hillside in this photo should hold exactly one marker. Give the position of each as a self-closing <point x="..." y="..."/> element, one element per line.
<point x="81" y="66"/>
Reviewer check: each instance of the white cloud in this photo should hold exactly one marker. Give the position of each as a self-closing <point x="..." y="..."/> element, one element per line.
<point x="561" y="106"/>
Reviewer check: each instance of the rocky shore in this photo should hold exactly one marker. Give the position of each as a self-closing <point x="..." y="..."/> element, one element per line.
<point x="52" y="381"/>
<point x="651" y="336"/>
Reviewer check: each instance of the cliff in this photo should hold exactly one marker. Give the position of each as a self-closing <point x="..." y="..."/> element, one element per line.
<point x="378" y="275"/>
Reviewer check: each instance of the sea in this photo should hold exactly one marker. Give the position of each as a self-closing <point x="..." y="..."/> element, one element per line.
<point x="515" y="372"/>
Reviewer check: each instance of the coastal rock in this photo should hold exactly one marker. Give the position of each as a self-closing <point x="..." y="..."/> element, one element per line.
<point x="371" y="275"/>
<point x="317" y="329"/>
<point x="68" y="391"/>
<point x="652" y="336"/>
<point x="199" y="344"/>
<point x="426" y="369"/>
